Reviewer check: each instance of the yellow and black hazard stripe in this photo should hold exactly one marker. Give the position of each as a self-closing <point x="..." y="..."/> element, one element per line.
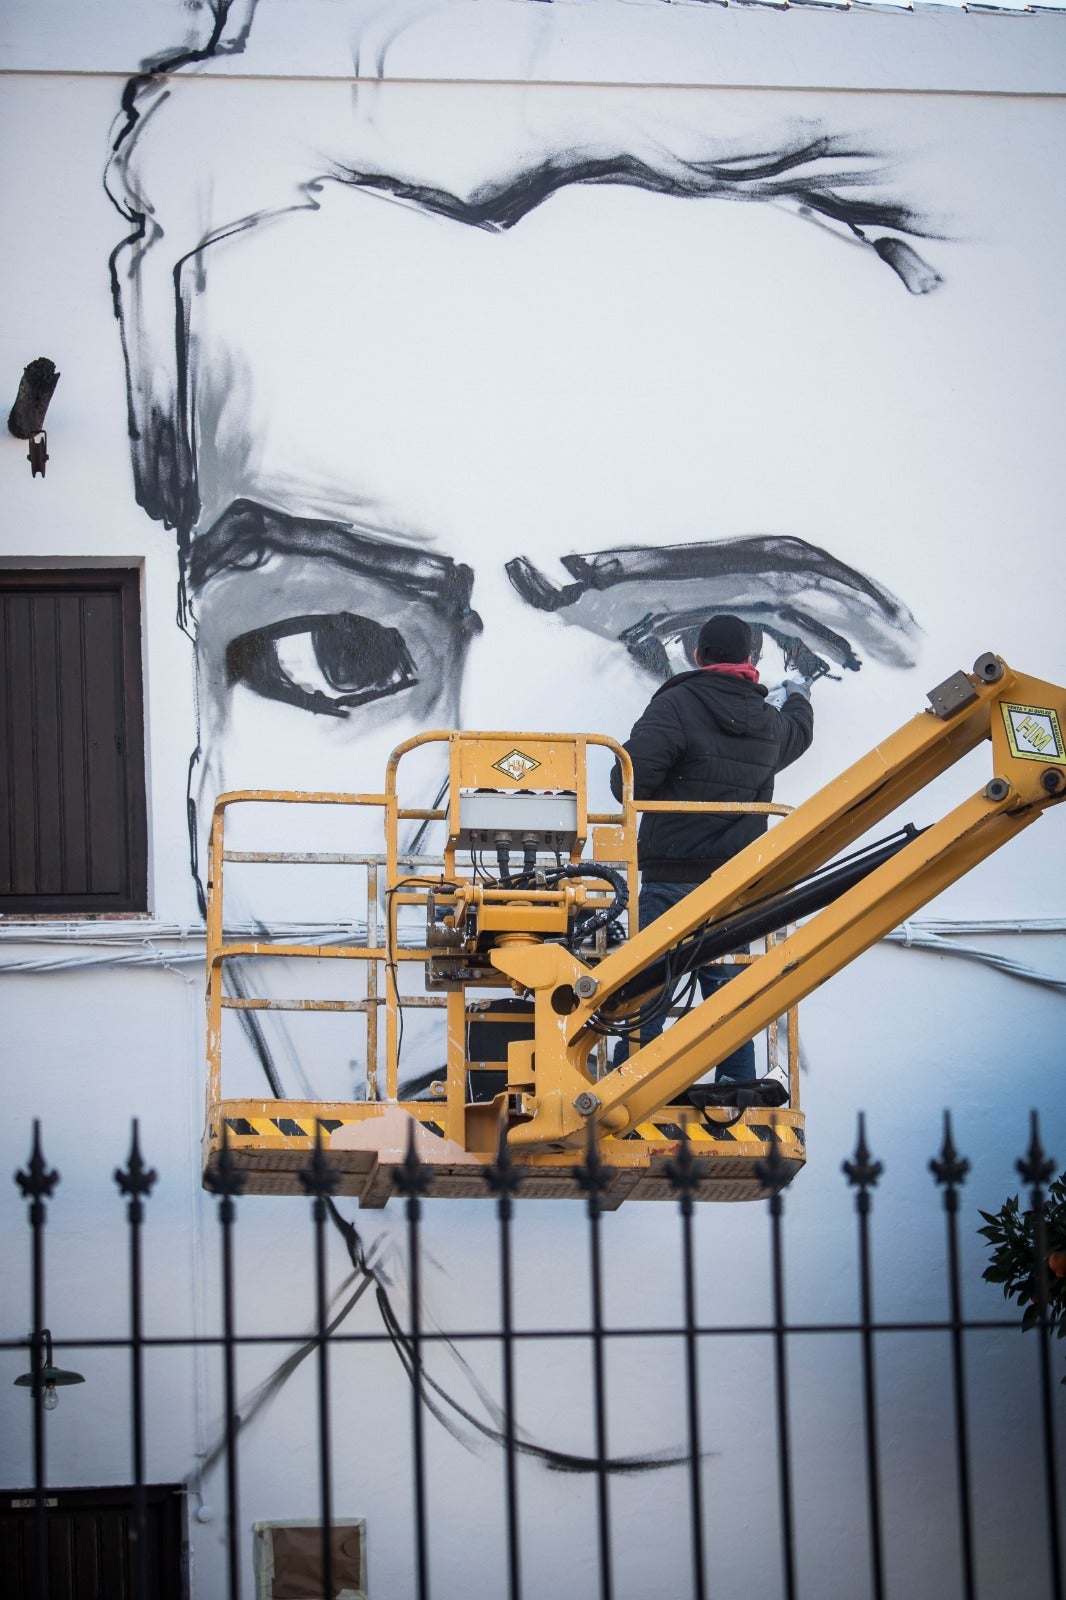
<point x="752" y="1129"/>
<point x="293" y="1128"/>
<point x="271" y="1127"/>
<point x="660" y="1130"/>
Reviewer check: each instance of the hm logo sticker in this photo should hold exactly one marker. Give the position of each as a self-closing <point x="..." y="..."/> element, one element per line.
<point x="517" y="765"/>
<point x="1033" y="733"/>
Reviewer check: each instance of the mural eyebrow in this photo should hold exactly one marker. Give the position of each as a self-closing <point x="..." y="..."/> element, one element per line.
<point x="502" y="204"/>
<point x="804" y="597"/>
<point x="768" y="164"/>
<point x="247" y="534"/>
<point x="756" y="555"/>
<point x="796" y="174"/>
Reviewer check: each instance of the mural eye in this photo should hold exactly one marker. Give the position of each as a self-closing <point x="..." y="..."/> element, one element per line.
<point x="666" y="644"/>
<point x="322" y="663"/>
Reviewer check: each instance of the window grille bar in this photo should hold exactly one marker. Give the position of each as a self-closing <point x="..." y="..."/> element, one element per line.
<point x="771" y="1172"/>
<point x="136" y="1181"/>
<point x="227" y="1217"/>
<point x="412" y="1180"/>
<point x="319" y="1179"/>
<point x="37" y="1359"/>
<point x="1036" y="1171"/>
<point x="37" y="1182"/>
<point x="562" y="1335"/>
<point x="227" y="1181"/>
<point x="503" y="1179"/>
<point x="593" y="1177"/>
<point x="950" y="1172"/>
<point x="685" y="1173"/>
<point x="863" y="1174"/>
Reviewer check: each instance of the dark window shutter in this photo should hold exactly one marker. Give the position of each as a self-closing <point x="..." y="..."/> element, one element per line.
<point x="72" y="808"/>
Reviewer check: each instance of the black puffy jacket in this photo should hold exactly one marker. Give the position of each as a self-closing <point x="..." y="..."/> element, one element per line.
<point x="707" y="735"/>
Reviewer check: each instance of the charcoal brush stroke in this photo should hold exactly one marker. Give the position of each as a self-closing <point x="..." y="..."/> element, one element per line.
<point x="443" y="1407"/>
<point x="499" y="206"/>
<point x="247" y="535"/>
<point x="769" y="580"/>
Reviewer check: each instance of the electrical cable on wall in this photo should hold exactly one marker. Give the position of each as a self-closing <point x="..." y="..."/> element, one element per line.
<point x="126" y="947"/>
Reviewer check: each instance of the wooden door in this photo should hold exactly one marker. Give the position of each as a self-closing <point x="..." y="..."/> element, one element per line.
<point x="90" y="1554"/>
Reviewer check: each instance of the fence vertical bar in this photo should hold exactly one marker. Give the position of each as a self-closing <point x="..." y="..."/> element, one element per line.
<point x="773" y="1176"/>
<point x="37" y="1182"/>
<point x="227" y="1181"/>
<point x="862" y="1173"/>
<point x="136" y="1180"/>
<point x="685" y="1174"/>
<point x="593" y="1177"/>
<point x="412" y="1180"/>
<point x="319" y="1179"/>
<point x="503" y="1179"/>
<point x="950" y="1171"/>
<point x="1036" y="1170"/>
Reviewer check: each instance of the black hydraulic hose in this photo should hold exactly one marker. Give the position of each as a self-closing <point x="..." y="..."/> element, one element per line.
<point x="735" y="932"/>
<point x="593" y="921"/>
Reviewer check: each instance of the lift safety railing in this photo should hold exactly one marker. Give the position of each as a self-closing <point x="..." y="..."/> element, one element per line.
<point x="377" y="954"/>
<point x="695" y="1339"/>
<point x="383" y="953"/>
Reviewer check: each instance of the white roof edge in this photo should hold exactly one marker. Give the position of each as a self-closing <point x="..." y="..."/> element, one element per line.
<point x="912" y="45"/>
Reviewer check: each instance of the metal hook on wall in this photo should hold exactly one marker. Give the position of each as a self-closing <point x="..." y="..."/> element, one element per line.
<point x="37" y="454"/>
<point x="26" y="418"/>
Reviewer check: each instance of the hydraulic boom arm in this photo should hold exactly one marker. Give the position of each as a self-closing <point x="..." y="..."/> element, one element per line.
<point x="1023" y="718"/>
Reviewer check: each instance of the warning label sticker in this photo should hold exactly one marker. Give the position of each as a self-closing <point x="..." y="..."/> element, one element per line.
<point x="516" y="765"/>
<point x="1034" y="734"/>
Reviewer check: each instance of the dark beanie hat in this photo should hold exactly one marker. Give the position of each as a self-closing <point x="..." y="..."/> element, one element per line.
<point x="723" y="638"/>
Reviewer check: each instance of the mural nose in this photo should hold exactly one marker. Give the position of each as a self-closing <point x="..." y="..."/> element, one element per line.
<point x="510" y="670"/>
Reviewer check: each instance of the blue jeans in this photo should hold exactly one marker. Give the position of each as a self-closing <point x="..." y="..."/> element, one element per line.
<point x="655" y="899"/>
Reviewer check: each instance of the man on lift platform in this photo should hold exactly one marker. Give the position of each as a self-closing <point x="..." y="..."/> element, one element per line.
<point x="711" y="734"/>
<point x="812" y="874"/>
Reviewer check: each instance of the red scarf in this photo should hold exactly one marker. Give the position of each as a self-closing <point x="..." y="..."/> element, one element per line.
<point x="735" y="669"/>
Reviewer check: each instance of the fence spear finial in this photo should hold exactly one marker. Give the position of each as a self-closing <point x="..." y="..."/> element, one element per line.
<point x="37" y="1180"/>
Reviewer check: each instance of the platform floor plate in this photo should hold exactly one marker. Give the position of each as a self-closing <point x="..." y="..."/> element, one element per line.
<point x="272" y="1140"/>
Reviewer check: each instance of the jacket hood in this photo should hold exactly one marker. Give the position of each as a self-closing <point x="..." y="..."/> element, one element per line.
<point x="733" y="703"/>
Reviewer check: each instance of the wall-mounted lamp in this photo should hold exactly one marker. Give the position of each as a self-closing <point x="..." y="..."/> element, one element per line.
<point x="26" y="420"/>
<point x="47" y="1376"/>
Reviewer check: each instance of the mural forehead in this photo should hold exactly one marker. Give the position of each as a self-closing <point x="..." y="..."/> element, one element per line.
<point x="612" y="355"/>
<point x="539" y="169"/>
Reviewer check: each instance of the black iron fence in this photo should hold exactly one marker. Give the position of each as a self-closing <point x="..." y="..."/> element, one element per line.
<point x="28" y="1569"/>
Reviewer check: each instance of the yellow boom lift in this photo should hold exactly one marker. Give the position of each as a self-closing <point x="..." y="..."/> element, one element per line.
<point x="545" y="933"/>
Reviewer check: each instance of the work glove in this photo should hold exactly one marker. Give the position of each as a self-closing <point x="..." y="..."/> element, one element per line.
<point x="778" y="696"/>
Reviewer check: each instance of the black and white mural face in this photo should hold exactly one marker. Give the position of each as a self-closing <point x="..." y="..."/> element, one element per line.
<point x="497" y="492"/>
<point x="468" y="403"/>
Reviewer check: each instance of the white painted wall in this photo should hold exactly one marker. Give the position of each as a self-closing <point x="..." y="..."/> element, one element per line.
<point x="620" y="368"/>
